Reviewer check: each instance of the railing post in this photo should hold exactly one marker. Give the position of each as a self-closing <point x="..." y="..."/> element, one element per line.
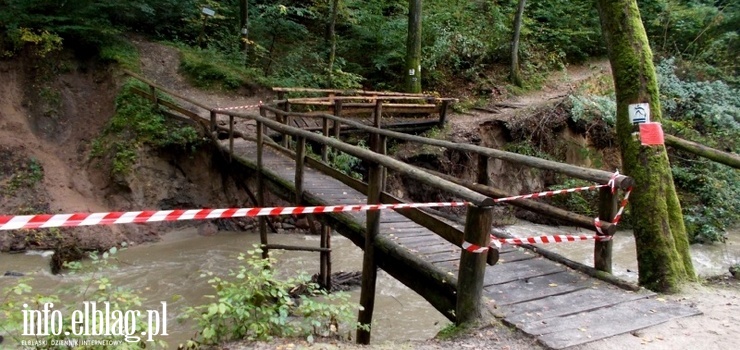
<point x="484" y="178"/>
<point x="325" y="131"/>
<point x="231" y="138"/>
<point x="260" y="185"/>
<point x="338" y="113"/>
<point x="300" y="157"/>
<point x="381" y="139"/>
<point x="286" y="120"/>
<point x="443" y="113"/>
<point x="369" y="266"/>
<point x="608" y="206"/>
<point x="325" y="257"/>
<point x="213" y="120"/>
<point x="473" y="265"/>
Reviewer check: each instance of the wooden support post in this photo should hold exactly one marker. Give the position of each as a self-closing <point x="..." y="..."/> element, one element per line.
<point x="324" y="147"/>
<point x="443" y="113"/>
<point x="381" y="139"/>
<point x="231" y="138"/>
<point x="213" y="120"/>
<point x="300" y="158"/>
<point x="280" y="95"/>
<point x="608" y="206"/>
<point x="286" y="119"/>
<point x="369" y="266"/>
<point x="261" y="186"/>
<point x="325" y="268"/>
<point x="338" y="113"/>
<point x="473" y="265"/>
<point x="484" y="178"/>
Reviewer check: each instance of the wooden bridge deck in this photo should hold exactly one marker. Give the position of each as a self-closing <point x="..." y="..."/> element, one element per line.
<point x="557" y="305"/>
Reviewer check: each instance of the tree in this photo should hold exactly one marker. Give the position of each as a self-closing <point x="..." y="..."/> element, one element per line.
<point x="244" y="27"/>
<point x="515" y="77"/>
<point x="662" y="243"/>
<point x="333" y="38"/>
<point x="413" y="48"/>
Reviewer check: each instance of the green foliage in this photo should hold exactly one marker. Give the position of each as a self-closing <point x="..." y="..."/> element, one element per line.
<point x="93" y="285"/>
<point x="589" y="107"/>
<point x="41" y="42"/>
<point x="209" y="68"/>
<point x="136" y="124"/>
<point x="121" y="52"/>
<point x="707" y="112"/>
<point x="254" y="304"/>
<point x="703" y="32"/>
<point x="526" y="148"/>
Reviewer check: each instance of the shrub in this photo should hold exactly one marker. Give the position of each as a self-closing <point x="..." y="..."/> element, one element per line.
<point x="136" y="124"/>
<point x="254" y="304"/>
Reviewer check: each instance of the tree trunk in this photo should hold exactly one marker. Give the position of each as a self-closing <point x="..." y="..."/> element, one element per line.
<point x="662" y="244"/>
<point x="516" y="79"/>
<point x="333" y="38"/>
<point x="413" y="48"/>
<point x="244" y="27"/>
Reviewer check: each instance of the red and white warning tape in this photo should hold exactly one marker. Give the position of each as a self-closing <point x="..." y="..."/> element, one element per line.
<point x="600" y="237"/>
<point x="549" y="193"/>
<point x="240" y="107"/>
<point x="553" y="239"/>
<point x="110" y="218"/>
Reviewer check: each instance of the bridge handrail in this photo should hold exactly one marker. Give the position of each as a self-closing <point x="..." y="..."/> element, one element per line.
<point x="348" y="92"/>
<point x="594" y="175"/>
<point x="386" y="161"/>
<point x="726" y="158"/>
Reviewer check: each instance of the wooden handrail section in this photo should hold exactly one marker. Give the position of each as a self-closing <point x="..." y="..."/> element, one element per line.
<point x="594" y="175"/>
<point x="729" y="159"/>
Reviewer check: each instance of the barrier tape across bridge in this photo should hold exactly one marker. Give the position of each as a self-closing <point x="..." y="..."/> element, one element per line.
<point x="240" y="107"/>
<point x="15" y="222"/>
<point x="134" y="217"/>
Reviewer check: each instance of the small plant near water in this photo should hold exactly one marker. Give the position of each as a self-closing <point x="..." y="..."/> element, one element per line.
<point x="94" y="286"/>
<point x="254" y="304"/>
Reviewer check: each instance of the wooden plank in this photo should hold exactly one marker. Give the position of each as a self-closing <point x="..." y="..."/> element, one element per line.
<point x="564" y="305"/>
<point x="563" y="332"/>
<point x="515" y="255"/>
<point x="536" y="288"/>
<point x="447" y="255"/>
<point x="520" y="270"/>
<point x="430" y="249"/>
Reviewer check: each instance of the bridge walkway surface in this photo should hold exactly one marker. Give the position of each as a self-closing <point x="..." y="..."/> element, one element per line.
<point x="558" y="306"/>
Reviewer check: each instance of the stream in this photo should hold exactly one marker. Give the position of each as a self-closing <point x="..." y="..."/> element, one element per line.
<point x="173" y="266"/>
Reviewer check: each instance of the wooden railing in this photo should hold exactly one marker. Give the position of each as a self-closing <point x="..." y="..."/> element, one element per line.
<point x="479" y="214"/>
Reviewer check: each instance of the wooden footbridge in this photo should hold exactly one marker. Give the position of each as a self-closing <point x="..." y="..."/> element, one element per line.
<point x="559" y="303"/>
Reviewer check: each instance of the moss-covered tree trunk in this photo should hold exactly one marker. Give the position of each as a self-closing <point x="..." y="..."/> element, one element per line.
<point x="662" y="244"/>
<point x="413" y="48"/>
<point x="515" y="77"/>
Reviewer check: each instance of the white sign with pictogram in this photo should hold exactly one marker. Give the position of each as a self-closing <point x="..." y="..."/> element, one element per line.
<point x="639" y="113"/>
<point x="208" y="12"/>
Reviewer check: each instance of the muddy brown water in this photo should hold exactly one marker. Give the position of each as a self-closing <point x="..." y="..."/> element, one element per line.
<point x="173" y="267"/>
